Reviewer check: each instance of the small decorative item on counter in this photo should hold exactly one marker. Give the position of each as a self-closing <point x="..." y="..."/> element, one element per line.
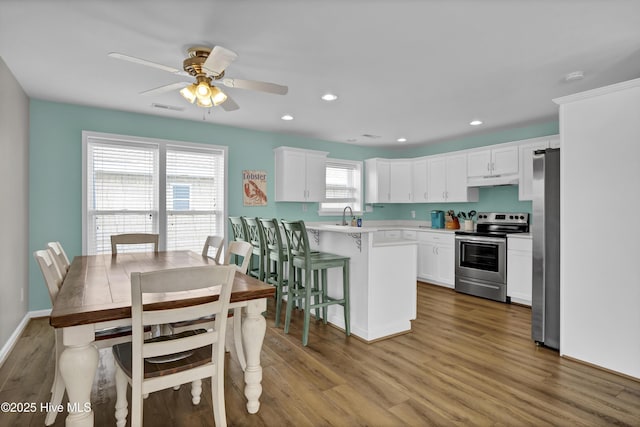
<point x="451" y="221"/>
<point x="359" y="222"/>
<point x="353" y="221"/>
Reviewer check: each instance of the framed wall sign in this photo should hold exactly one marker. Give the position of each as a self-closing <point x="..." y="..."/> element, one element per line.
<point x="254" y="186"/>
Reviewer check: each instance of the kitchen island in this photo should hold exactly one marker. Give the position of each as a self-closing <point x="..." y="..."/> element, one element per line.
<point x="382" y="279"/>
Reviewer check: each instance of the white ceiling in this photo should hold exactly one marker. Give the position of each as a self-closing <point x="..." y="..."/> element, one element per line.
<point x="415" y="69"/>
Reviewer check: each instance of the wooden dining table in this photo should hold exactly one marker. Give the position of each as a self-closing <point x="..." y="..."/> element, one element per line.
<point x="96" y="294"/>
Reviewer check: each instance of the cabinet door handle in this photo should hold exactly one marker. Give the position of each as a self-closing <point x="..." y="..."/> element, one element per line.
<point x="488" y="167"/>
<point x="437" y="251"/>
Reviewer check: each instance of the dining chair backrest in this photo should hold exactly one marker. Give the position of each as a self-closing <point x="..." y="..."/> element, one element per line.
<point x="241" y="249"/>
<point x="271" y="235"/>
<point x="238" y="228"/>
<point x="133" y="239"/>
<point x="254" y="233"/>
<point x="50" y="272"/>
<point x="59" y="257"/>
<point x="194" y="355"/>
<point x="215" y="243"/>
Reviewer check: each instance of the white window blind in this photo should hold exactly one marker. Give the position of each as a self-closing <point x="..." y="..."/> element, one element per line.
<point x="123" y="177"/>
<point x="194" y="193"/>
<point x="343" y="186"/>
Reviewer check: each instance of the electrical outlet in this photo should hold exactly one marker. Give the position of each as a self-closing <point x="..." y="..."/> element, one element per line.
<point x="304" y="207"/>
<point x="413" y="214"/>
<point x="21" y="294"/>
<point x="368" y="208"/>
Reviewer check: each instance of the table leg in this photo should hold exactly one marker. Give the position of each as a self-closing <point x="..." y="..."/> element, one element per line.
<point x="254" y="327"/>
<point x="78" y="365"/>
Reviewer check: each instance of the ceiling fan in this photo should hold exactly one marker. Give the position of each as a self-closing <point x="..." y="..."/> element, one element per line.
<point x="207" y="65"/>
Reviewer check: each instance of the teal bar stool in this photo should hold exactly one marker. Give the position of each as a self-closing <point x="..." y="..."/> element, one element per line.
<point x="239" y="233"/>
<point x="302" y="258"/>
<point x="255" y="237"/>
<point x="276" y="257"/>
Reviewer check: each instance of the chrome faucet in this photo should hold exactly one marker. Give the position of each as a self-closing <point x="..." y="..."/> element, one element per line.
<point x="344" y="212"/>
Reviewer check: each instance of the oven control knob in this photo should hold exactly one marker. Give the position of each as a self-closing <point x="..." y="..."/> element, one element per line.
<point x="521" y="216"/>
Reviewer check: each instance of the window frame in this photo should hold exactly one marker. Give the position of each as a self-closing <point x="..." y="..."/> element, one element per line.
<point x="162" y="145"/>
<point x="359" y="166"/>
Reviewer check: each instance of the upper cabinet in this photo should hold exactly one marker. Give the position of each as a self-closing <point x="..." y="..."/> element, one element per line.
<point x="527" y="148"/>
<point x="388" y="181"/>
<point x="447" y="180"/>
<point x="300" y="175"/>
<point x="485" y="166"/>
<point x="419" y="185"/>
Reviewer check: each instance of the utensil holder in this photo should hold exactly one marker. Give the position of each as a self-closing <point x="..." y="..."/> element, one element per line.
<point x="468" y="225"/>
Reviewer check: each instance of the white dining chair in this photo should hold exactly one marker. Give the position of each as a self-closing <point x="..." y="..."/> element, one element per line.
<point x="171" y="360"/>
<point x="59" y="257"/>
<point x="133" y="239"/>
<point x="214" y="243"/>
<point x="244" y="250"/>
<point x="104" y="338"/>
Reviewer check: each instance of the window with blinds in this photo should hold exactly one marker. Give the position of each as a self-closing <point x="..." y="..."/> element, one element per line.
<point x="135" y="185"/>
<point x="343" y="186"/>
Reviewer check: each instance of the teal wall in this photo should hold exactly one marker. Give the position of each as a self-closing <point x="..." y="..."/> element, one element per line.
<point x="55" y="177"/>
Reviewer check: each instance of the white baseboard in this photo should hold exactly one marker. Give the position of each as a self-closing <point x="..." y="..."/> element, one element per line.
<point x="13" y="339"/>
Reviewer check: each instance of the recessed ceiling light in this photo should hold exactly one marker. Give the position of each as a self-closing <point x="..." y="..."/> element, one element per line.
<point x="329" y="97"/>
<point x="475" y="122"/>
<point x="576" y="75"/>
<point x="401" y="139"/>
<point x="287" y="117"/>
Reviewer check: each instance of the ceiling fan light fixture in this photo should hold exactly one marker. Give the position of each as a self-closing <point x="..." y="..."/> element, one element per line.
<point x="203" y="90"/>
<point x="189" y="93"/>
<point x="204" y="102"/>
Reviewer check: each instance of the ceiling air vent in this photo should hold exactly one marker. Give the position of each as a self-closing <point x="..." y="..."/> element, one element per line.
<point x="167" y="107"/>
<point x="368" y="135"/>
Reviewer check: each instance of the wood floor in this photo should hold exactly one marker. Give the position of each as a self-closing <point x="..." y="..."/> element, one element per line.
<point x="468" y="361"/>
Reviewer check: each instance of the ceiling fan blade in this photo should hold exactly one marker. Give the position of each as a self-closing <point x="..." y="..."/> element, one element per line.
<point x="144" y="62"/>
<point x="218" y="60"/>
<point x="165" y="88"/>
<point x="229" y="104"/>
<point x="256" y="85"/>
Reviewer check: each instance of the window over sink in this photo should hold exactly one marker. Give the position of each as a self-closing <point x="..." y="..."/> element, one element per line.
<point x="343" y="187"/>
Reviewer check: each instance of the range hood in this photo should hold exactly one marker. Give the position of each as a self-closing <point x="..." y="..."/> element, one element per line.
<point x="492" y="181"/>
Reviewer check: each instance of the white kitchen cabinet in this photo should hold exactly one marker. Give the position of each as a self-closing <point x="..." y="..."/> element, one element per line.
<point x="527" y="148"/>
<point x="498" y="161"/>
<point x="388" y="181"/>
<point x="420" y="180"/>
<point x="447" y="180"/>
<point x="519" y="269"/>
<point x="376" y="180"/>
<point x="400" y="181"/>
<point x="436" y="257"/>
<point x="300" y="175"/>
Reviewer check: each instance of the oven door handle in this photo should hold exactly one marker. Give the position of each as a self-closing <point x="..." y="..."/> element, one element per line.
<point x="482" y="239"/>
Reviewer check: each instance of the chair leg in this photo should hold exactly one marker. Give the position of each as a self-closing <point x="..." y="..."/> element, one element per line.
<point x="307" y="311"/>
<point x="345" y="290"/>
<point x="317" y="299"/>
<point x="217" y="397"/>
<point x="279" y="295"/>
<point x="196" y="391"/>
<point x="121" y="398"/>
<point x="291" y="296"/>
<point x="324" y="296"/>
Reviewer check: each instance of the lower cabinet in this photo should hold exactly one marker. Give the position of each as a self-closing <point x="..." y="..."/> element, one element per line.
<point x="436" y="258"/>
<point x="519" y="269"/>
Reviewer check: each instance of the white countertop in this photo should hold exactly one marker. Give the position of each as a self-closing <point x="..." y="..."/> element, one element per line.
<point x="374" y="226"/>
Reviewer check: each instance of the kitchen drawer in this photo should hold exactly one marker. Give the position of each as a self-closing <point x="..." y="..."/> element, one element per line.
<point x="518" y="244"/>
<point x="440" y="239"/>
<point x="393" y="234"/>
<point x="410" y="234"/>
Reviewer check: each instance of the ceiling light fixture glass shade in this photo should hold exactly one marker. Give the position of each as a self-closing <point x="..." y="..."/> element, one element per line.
<point x="189" y="93"/>
<point x="203" y="90"/>
<point x="204" y="102"/>
<point x="217" y="96"/>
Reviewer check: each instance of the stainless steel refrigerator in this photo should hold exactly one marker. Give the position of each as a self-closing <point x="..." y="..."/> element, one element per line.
<point x="545" y="302"/>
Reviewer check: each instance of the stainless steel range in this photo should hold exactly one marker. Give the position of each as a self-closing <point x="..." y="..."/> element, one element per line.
<point x="481" y="255"/>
